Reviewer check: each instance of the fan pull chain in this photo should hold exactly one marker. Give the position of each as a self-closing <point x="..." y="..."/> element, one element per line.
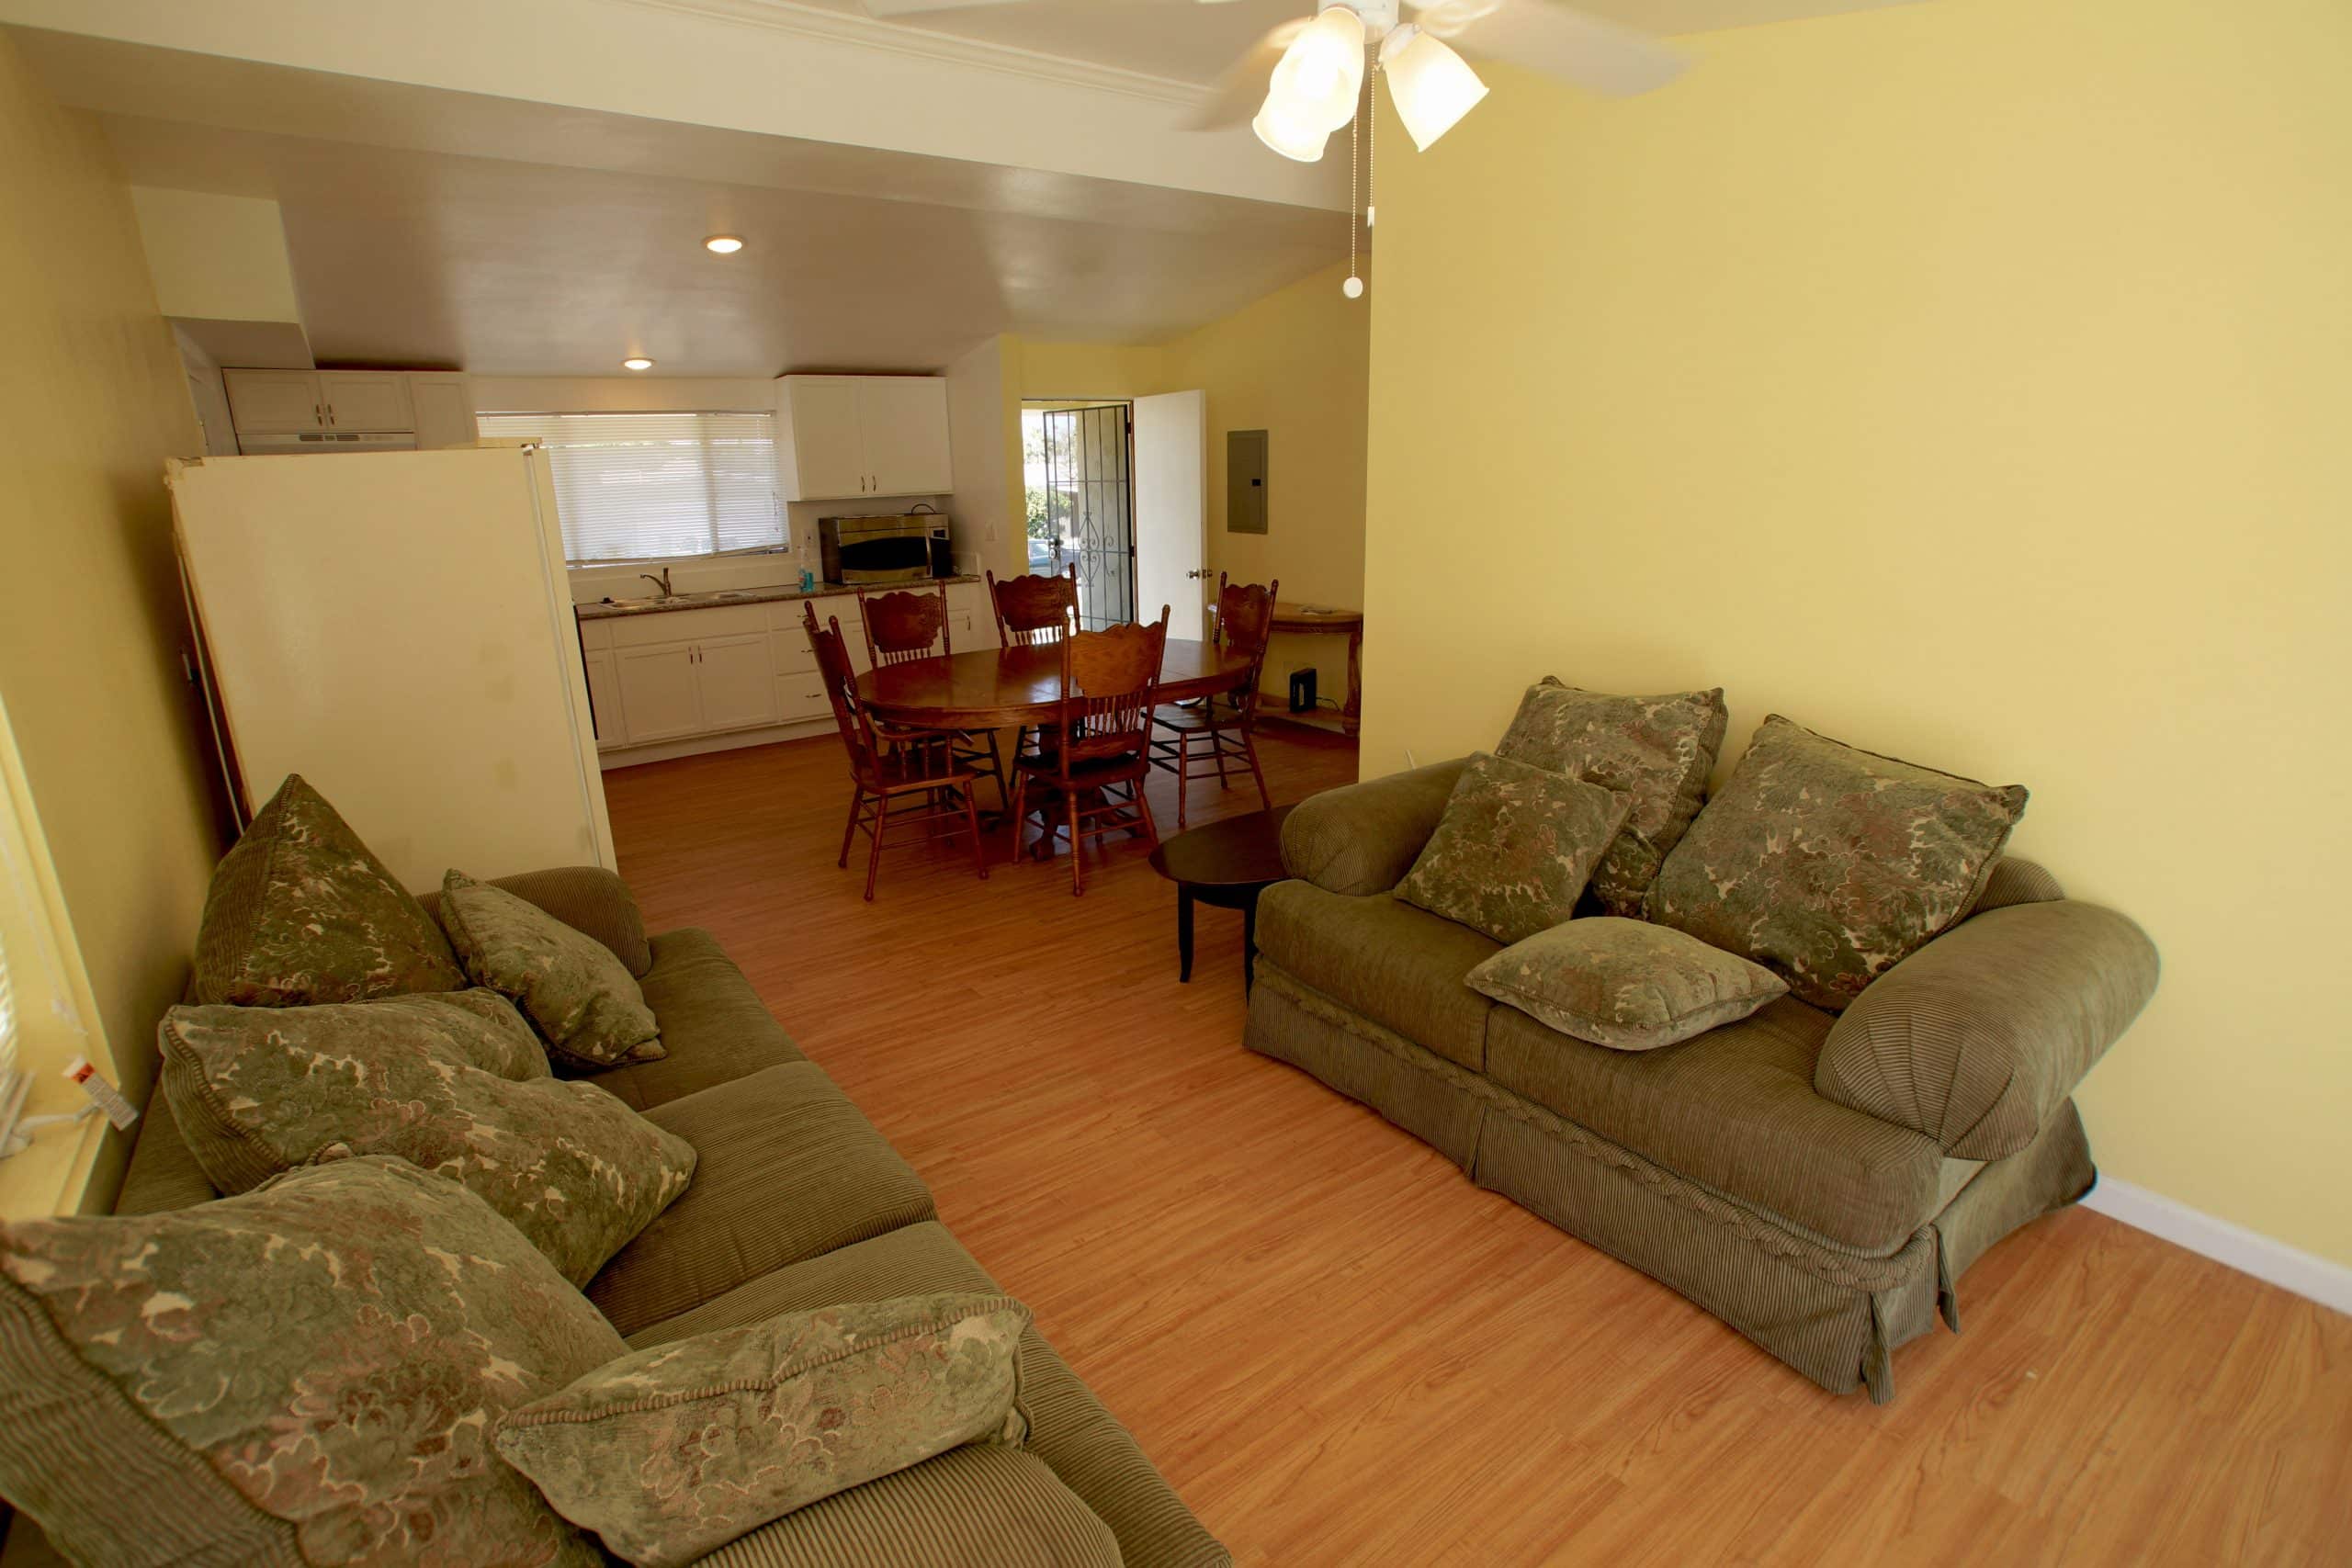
<point x="1353" y="286"/>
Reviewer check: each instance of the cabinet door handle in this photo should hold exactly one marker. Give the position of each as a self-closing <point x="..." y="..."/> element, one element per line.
<point x="330" y="413"/>
<point x="318" y="414"/>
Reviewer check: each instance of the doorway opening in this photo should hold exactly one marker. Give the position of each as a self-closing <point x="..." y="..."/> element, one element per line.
<point x="1079" y="462"/>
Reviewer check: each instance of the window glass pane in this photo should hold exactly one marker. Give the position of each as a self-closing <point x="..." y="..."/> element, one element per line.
<point x="633" y="486"/>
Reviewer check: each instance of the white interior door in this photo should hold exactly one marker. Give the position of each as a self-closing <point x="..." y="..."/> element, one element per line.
<point x="1171" y="511"/>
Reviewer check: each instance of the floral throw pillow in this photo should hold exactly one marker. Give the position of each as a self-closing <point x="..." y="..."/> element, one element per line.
<point x="1828" y="865"/>
<point x="300" y="911"/>
<point x="1624" y="984"/>
<point x="1658" y="750"/>
<point x="310" y="1372"/>
<point x="1515" y="848"/>
<point x="260" y="1090"/>
<point x="578" y="994"/>
<point x="671" y="1452"/>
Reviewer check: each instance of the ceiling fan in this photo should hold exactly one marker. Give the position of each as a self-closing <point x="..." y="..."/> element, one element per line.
<point x="1321" y="62"/>
<point x="1306" y="77"/>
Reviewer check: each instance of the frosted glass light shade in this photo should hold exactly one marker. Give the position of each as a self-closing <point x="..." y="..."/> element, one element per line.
<point x="1433" y="86"/>
<point x="1321" y="75"/>
<point x="1279" y="128"/>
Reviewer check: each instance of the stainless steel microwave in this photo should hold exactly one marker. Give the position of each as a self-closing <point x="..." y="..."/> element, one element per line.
<point x="859" y="550"/>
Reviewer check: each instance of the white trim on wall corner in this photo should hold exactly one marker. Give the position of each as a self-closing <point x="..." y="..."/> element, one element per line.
<point x="2249" y="1252"/>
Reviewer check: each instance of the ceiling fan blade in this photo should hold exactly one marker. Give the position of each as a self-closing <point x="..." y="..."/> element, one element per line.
<point x="1598" y="56"/>
<point x="1242" y="88"/>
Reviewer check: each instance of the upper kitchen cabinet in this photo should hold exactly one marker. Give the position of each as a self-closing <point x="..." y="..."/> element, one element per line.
<point x="275" y="402"/>
<point x="367" y="400"/>
<point x="445" y="410"/>
<point x="437" y="405"/>
<point x="844" y="437"/>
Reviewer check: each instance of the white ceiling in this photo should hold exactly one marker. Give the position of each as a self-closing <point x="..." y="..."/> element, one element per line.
<point x="533" y="230"/>
<point x="509" y="268"/>
<point x="1192" y="42"/>
<point x="582" y="244"/>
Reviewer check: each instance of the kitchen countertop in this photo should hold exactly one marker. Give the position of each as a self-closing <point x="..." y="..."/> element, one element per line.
<point x="606" y="609"/>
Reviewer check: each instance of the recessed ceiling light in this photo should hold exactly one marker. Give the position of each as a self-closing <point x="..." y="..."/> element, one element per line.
<point x="724" y="244"/>
<point x="637" y="362"/>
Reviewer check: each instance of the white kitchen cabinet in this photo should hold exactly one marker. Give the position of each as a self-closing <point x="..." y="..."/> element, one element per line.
<point x="367" y="400"/>
<point x="821" y="418"/>
<point x="904" y="422"/>
<point x="287" y="402"/>
<point x="659" y="698"/>
<point x="604" y="698"/>
<point x="274" y="402"/>
<point x="735" y="681"/>
<point x="688" y="672"/>
<point x="444" y="405"/>
<point x="843" y="437"/>
<point x="801" y="696"/>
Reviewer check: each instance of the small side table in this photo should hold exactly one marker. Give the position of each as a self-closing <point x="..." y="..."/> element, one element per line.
<point x="1226" y="863"/>
<point x="1346" y="622"/>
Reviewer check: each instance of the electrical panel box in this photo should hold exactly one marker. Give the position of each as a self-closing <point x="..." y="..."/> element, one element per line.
<point x="1245" y="481"/>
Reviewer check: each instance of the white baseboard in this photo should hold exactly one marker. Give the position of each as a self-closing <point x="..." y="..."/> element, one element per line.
<point x="2249" y="1252"/>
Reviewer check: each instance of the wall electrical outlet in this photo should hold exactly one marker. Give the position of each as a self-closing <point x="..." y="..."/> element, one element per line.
<point x="989" y="537"/>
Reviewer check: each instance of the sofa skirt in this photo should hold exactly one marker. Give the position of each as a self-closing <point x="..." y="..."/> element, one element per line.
<point x="1831" y="1313"/>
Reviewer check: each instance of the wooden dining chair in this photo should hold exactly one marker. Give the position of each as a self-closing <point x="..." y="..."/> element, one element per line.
<point x="1193" y="740"/>
<point x="1100" y="757"/>
<point x="938" y="792"/>
<point x="1041" y="607"/>
<point x="904" y="625"/>
<point x="1038" y="608"/>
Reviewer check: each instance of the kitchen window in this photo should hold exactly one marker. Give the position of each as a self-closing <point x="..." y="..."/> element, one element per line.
<point x="643" y="485"/>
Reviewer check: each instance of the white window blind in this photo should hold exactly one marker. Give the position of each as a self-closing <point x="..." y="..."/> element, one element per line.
<point x="637" y="486"/>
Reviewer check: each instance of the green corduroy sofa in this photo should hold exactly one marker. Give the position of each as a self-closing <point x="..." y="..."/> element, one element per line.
<point x="1819" y="1186"/>
<point x="798" y="1202"/>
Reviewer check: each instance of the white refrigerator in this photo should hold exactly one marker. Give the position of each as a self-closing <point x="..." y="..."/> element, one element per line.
<point x="396" y="628"/>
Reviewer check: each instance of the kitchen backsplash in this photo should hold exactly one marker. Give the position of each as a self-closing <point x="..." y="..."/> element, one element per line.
<point x="714" y="574"/>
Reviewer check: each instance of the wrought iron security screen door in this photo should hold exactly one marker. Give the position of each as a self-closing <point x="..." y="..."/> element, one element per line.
<point x="1089" y="505"/>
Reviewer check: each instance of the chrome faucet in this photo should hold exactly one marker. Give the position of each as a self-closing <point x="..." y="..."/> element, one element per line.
<point x="662" y="583"/>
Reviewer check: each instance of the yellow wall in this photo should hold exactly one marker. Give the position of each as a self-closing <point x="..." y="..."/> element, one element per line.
<point x="1293" y="363"/>
<point x="92" y="400"/>
<point x="1969" y="380"/>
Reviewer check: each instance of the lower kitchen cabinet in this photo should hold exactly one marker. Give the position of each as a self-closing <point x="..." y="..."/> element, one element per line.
<point x="661" y="699"/>
<point x="604" y="697"/>
<point x="709" y="672"/>
<point x="734" y="682"/>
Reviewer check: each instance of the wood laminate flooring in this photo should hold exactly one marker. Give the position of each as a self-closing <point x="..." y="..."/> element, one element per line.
<point x="1340" y="1352"/>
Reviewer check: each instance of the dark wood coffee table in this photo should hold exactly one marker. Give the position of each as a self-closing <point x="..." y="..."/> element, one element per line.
<point x="1226" y="863"/>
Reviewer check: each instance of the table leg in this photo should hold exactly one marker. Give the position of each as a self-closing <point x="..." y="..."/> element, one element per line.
<point x="1352" y="715"/>
<point x="1249" y="944"/>
<point x="1183" y="934"/>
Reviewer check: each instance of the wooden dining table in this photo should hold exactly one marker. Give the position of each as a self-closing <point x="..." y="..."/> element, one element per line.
<point x="997" y="688"/>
